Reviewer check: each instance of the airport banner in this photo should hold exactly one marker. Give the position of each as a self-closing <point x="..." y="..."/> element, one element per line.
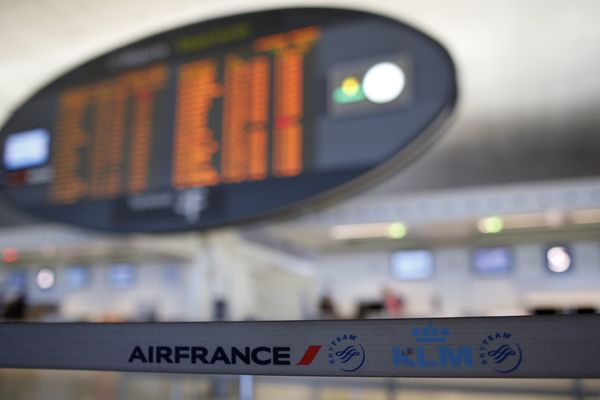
<point x="490" y="347"/>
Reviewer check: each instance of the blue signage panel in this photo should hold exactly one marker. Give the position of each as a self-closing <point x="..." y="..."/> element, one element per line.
<point x="411" y="264"/>
<point x="492" y="261"/>
<point x="226" y="120"/>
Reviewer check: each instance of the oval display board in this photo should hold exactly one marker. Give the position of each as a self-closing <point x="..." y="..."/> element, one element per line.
<point x="226" y="120"/>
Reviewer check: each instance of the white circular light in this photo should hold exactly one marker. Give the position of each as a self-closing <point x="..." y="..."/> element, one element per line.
<point x="45" y="278"/>
<point x="383" y="82"/>
<point x="559" y="259"/>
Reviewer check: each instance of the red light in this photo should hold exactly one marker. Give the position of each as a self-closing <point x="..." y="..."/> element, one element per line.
<point x="10" y="255"/>
<point x="17" y="179"/>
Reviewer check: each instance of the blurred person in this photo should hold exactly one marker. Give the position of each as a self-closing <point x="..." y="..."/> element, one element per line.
<point x="327" y="308"/>
<point x="393" y="303"/>
<point x="16" y="309"/>
<point x="220" y="310"/>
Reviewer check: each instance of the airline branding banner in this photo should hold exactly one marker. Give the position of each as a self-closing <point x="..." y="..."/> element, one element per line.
<point x="502" y="347"/>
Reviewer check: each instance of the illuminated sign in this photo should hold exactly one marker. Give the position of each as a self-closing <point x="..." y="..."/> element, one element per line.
<point x="45" y="278"/>
<point x="559" y="259"/>
<point x="77" y="276"/>
<point x="492" y="261"/>
<point x="411" y="264"/>
<point x="122" y="276"/>
<point x="226" y="120"/>
<point x="26" y="149"/>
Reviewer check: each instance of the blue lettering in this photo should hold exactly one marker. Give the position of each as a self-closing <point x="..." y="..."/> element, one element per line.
<point x="462" y="356"/>
<point x="398" y="358"/>
<point x="422" y="360"/>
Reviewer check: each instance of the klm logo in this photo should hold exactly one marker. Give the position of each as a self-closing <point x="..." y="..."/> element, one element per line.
<point x="431" y="351"/>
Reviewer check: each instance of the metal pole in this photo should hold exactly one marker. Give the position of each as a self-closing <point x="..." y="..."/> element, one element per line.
<point x="246" y="387"/>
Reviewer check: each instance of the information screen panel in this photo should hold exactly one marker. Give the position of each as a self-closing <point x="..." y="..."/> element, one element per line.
<point x="492" y="261"/>
<point x="225" y="120"/>
<point x="412" y="264"/>
<point x="122" y="276"/>
<point x="26" y="149"/>
<point x="77" y="276"/>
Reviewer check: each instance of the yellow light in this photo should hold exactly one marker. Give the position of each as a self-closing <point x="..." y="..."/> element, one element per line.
<point x="397" y="230"/>
<point x="490" y="225"/>
<point x="350" y="86"/>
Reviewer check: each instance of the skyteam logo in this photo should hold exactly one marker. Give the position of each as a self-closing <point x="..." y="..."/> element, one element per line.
<point x="431" y="350"/>
<point x="499" y="352"/>
<point x="346" y="353"/>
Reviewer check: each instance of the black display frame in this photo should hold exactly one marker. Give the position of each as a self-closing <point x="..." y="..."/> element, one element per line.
<point x="284" y="195"/>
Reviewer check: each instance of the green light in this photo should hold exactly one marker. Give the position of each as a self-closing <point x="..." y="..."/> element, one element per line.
<point x="350" y="91"/>
<point x="397" y="230"/>
<point x="490" y="225"/>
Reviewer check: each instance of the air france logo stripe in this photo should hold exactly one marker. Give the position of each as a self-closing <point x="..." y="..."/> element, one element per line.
<point x="309" y="355"/>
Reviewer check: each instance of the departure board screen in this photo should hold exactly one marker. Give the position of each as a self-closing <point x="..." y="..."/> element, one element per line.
<point x="238" y="116"/>
<point x="225" y="120"/>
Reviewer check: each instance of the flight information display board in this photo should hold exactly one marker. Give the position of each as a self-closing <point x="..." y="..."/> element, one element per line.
<point x="225" y="120"/>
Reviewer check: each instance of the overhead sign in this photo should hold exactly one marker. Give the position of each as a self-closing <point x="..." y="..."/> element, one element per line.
<point x="501" y="347"/>
<point x="226" y="120"/>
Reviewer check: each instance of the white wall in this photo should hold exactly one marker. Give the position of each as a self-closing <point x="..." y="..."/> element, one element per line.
<point x="261" y="283"/>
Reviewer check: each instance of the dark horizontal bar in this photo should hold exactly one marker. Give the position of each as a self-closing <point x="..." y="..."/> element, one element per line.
<point x="497" y="347"/>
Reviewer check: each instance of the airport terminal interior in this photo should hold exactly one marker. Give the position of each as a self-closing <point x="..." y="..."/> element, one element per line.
<point x="498" y="214"/>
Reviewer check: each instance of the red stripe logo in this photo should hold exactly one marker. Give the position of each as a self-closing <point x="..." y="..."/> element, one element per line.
<point x="309" y="355"/>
